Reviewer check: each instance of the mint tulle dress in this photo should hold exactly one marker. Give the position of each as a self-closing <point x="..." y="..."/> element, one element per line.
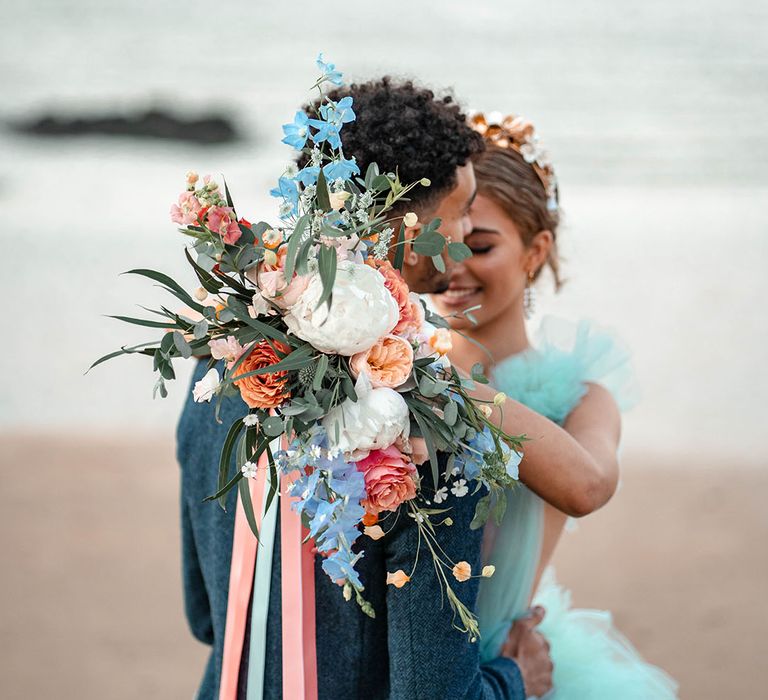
<point x="592" y="660"/>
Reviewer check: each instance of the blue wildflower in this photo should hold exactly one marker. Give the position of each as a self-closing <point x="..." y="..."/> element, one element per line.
<point x="326" y="131"/>
<point x="308" y="175"/>
<point x="341" y="565"/>
<point x="338" y="113"/>
<point x="297" y="132"/>
<point x="329" y="71"/>
<point x="288" y="191"/>
<point x="341" y="169"/>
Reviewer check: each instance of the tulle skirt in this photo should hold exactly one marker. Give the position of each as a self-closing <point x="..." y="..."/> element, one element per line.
<point x="592" y="660"/>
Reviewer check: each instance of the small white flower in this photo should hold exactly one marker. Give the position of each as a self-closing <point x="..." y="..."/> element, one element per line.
<point x="418" y="517"/>
<point x="441" y="494"/>
<point x="460" y="489"/>
<point x="455" y="471"/>
<point x="316" y="156"/>
<point x="315" y="452"/>
<point x="333" y="453"/>
<point x="249" y="470"/>
<point x="410" y="219"/>
<point x="206" y="388"/>
<point x="250" y="420"/>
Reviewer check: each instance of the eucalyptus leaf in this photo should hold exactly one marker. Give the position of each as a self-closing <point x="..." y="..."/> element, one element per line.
<point x="272" y="426"/>
<point x="459" y="251"/>
<point x="327" y="269"/>
<point x="428" y="243"/>
<point x="438" y="262"/>
<point x="323" y="198"/>
<point x="182" y="345"/>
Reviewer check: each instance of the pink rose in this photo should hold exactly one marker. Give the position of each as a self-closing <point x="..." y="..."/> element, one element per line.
<point x="388" y="479"/>
<point x="221" y="220"/>
<point x="186" y="211"/>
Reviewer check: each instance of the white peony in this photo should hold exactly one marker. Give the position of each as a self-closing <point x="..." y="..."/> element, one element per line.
<point x="362" y="311"/>
<point x="205" y="389"/>
<point x="378" y="418"/>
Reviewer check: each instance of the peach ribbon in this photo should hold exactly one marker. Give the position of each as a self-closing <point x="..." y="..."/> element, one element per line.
<point x="298" y="597"/>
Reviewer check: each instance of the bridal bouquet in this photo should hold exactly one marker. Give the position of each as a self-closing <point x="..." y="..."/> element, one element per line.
<point x="312" y="324"/>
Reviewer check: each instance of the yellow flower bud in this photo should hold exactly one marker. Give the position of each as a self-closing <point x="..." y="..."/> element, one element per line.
<point x="425" y="182"/>
<point x="410" y="219"/>
<point x="270" y="257"/>
<point x="338" y="198"/>
<point x="485" y="410"/>
<point x="499" y="399"/>
<point x="488" y="571"/>
<point x="201" y="293"/>
<point x="192" y="177"/>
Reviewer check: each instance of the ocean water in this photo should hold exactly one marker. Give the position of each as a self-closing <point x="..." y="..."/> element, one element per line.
<point x="654" y="114"/>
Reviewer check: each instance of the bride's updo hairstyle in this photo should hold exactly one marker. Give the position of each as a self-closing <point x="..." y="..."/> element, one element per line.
<point x="515" y="172"/>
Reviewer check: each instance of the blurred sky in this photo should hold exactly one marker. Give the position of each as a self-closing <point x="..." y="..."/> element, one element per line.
<point x="654" y="113"/>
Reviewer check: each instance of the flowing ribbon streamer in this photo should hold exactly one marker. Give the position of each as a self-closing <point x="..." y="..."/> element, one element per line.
<point x="298" y="597"/>
<point x="262" y="583"/>
<point x="244" y="545"/>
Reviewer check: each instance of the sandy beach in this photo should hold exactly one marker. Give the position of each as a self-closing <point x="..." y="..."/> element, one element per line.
<point x="91" y="596"/>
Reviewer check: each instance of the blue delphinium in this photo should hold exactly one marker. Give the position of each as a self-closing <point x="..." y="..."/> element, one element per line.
<point x="329" y="71"/>
<point x="326" y="131"/>
<point x="308" y="175"/>
<point x="341" y="169"/>
<point x="338" y="113"/>
<point x="288" y="191"/>
<point x="297" y="132"/>
<point x="328" y="494"/>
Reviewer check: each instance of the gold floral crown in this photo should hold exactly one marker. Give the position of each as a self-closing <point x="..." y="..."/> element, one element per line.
<point x="518" y="134"/>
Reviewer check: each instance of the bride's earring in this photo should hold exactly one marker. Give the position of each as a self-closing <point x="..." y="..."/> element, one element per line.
<point x="529" y="297"/>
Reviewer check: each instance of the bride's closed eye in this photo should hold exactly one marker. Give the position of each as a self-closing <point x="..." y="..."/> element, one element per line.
<point x="479" y="249"/>
<point x="479" y="240"/>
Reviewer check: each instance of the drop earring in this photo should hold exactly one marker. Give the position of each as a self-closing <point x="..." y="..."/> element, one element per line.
<point x="529" y="297"/>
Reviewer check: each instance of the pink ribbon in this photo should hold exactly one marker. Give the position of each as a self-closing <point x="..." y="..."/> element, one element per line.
<point x="298" y="596"/>
<point x="244" y="550"/>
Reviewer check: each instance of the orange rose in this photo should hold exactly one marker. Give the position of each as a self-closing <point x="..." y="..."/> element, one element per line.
<point x="262" y="390"/>
<point x="388" y="363"/>
<point x="397" y="287"/>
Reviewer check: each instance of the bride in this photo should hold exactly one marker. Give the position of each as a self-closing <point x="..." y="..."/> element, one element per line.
<point x="575" y="375"/>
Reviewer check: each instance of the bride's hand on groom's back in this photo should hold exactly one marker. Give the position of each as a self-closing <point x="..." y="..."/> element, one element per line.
<point x="530" y="651"/>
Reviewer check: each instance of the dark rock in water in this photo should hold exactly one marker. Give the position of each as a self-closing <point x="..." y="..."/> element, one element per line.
<point x="152" y="124"/>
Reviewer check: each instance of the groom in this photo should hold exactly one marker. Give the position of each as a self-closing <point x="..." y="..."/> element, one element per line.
<point x="410" y="649"/>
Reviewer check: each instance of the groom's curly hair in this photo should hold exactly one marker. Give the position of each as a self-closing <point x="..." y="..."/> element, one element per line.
<point x="402" y="126"/>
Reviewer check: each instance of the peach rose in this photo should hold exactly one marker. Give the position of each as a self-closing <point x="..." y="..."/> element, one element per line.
<point x="388" y="479"/>
<point x="388" y="363"/>
<point x="397" y="287"/>
<point x="262" y="390"/>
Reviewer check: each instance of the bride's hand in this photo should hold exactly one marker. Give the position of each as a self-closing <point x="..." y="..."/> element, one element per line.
<point x="530" y="651"/>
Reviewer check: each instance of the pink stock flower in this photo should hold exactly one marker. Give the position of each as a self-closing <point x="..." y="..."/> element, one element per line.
<point x="221" y="220"/>
<point x="388" y="479"/>
<point x="271" y="281"/>
<point x="226" y="349"/>
<point x="186" y="211"/>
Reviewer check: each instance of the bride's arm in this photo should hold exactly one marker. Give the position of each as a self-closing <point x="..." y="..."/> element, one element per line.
<point x="573" y="468"/>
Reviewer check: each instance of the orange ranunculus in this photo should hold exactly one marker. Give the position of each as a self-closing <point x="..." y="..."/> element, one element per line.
<point x="370" y="519"/>
<point x="398" y="288"/>
<point x="262" y="390"/>
<point x="388" y="363"/>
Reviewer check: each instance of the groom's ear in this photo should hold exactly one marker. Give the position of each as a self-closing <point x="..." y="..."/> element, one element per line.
<point x="411" y="232"/>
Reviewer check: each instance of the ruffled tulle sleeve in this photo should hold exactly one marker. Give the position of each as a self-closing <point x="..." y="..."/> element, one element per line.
<point x="551" y="377"/>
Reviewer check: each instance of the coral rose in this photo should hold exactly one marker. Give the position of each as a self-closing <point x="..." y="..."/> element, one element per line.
<point x="388" y="479"/>
<point x="262" y="390"/>
<point x="397" y="287"/>
<point x="388" y="363"/>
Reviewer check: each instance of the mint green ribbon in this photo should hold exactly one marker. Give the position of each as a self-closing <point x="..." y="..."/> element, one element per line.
<point x="262" y="580"/>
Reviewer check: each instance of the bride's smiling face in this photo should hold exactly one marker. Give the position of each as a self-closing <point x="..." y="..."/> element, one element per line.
<point x="496" y="274"/>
